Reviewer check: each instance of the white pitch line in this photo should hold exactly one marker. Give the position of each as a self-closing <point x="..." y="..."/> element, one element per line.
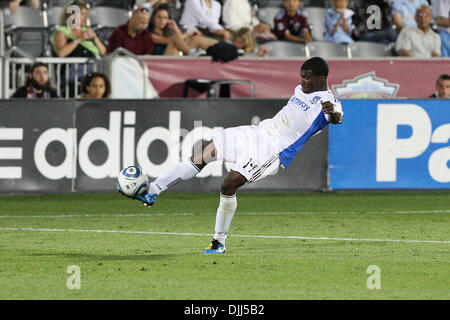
<point x="239" y="213"/>
<point x="99" y="215"/>
<point x="236" y="236"/>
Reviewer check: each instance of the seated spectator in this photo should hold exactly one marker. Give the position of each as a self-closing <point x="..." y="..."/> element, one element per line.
<point x="245" y="40"/>
<point x="404" y="12"/>
<point x="204" y="16"/>
<point x="95" y="85"/>
<point x="420" y="41"/>
<point x="70" y="40"/>
<point x="237" y="14"/>
<point x="338" y="23"/>
<point x="441" y="11"/>
<point x="37" y="85"/>
<point x="10" y="6"/>
<point x="442" y="87"/>
<point x="369" y="28"/>
<point x="169" y="40"/>
<point x="133" y="35"/>
<point x="291" y="23"/>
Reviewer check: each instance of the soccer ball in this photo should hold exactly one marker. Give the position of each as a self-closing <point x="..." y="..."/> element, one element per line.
<point x="133" y="181"/>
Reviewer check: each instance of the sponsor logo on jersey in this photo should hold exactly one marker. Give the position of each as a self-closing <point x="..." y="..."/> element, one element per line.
<point x="315" y="100"/>
<point x="303" y="105"/>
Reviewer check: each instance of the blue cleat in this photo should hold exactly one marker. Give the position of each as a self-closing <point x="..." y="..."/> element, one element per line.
<point x="215" y="247"/>
<point x="148" y="199"/>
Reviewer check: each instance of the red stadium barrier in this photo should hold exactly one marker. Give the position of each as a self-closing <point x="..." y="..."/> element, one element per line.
<point x="350" y="78"/>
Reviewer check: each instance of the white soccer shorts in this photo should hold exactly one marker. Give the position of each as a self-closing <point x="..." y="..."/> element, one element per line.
<point x="250" y="148"/>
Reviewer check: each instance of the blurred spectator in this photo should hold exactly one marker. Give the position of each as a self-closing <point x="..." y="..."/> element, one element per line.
<point x="95" y="85"/>
<point x="338" y="23"/>
<point x="420" y="41"/>
<point x="404" y="12"/>
<point x="291" y="23"/>
<point x="10" y="6"/>
<point x="245" y="40"/>
<point x="442" y="87"/>
<point x="368" y="28"/>
<point x="70" y="40"/>
<point x="133" y="35"/>
<point x="441" y="11"/>
<point x="237" y="14"/>
<point x="168" y="38"/>
<point x="204" y="16"/>
<point x="37" y="85"/>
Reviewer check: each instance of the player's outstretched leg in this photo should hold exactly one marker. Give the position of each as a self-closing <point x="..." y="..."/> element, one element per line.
<point x="185" y="170"/>
<point x="225" y="211"/>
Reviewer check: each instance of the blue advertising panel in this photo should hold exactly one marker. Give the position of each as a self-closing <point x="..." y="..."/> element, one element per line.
<point x="391" y="144"/>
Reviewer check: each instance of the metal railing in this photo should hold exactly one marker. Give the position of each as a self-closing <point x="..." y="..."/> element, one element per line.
<point x="2" y="34"/>
<point x="65" y="73"/>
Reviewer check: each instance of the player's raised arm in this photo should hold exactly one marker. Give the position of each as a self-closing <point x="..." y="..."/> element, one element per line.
<point x="334" y="115"/>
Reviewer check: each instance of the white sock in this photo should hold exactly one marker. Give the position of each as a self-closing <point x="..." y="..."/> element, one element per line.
<point x="225" y="213"/>
<point x="183" y="171"/>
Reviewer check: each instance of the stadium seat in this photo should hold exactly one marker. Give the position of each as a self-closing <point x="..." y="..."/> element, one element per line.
<point x="53" y="16"/>
<point x="327" y="49"/>
<point x="316" y="19"/>
<point x="363" y="49"/>
<point x="59" y="3"/>
<point x="105" y="19"/>
<point x="267" y="14"/>
<point x="286" y="49"/>
<point x="270" y="3"/>
<point x="120" y="4"/>
<point x="305" y="3"/>
<point x="26" y="30"/>
<point x="317" y="3"/>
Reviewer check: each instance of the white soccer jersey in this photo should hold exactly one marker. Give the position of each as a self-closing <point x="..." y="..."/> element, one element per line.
<point x="257" y="150"/>
<point x="296" y="122"/>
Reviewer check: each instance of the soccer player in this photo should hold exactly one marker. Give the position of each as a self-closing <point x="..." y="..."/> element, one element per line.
<point x="258" y="150"/>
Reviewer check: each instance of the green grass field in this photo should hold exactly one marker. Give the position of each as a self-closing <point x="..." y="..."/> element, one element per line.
<point x="281" y="246"/>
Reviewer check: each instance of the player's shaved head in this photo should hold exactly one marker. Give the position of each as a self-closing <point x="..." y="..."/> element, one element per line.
<point x="317" y="65"/>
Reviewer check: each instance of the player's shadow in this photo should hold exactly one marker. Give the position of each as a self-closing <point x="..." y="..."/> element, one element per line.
<point x="106" y="257"/>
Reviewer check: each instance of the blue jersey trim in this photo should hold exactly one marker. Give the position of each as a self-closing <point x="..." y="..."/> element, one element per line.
<point x="287" y="155"/>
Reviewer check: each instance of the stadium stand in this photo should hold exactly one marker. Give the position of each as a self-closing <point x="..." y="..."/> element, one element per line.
<point x="28" y="32"/>
<point x="60" y="3"/>
<point x="363" y="49"/>
<point x="305" y="3"/>
<point x="267" y="14"/>
<point x="119" y="4"/>
<point x="53" y="16"/>
<point x="286" y="49"/>
<point x="26" y="29"/>
<point x="316" y="19"/>
<point x="105" y="19"/>
<point x="328" y="49"/>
